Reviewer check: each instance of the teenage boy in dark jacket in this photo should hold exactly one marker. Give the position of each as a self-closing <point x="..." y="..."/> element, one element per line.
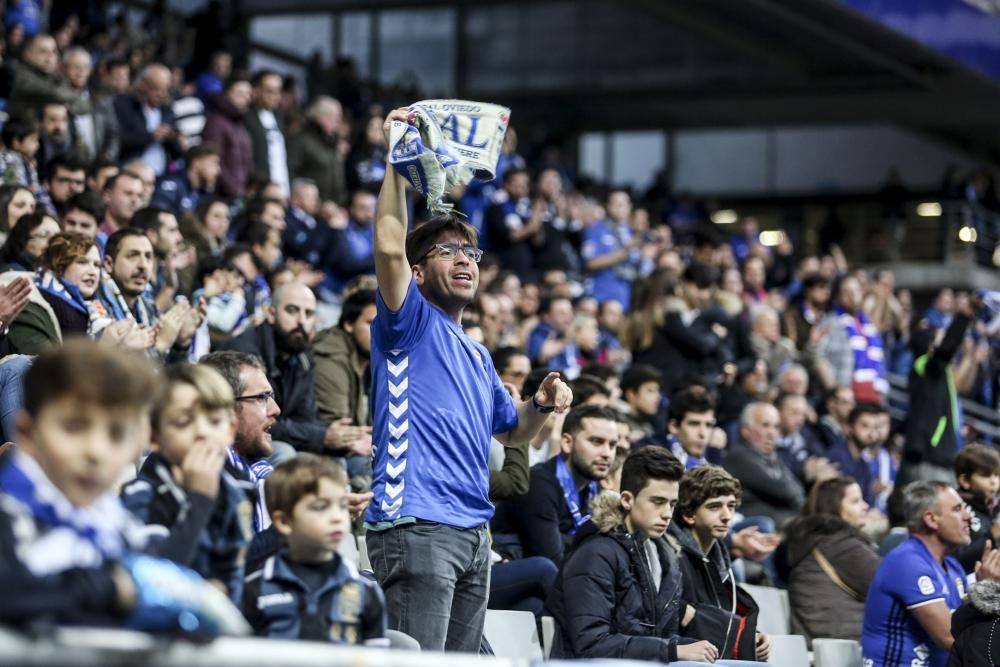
<point x="724" y="614"/>
<point x="619" y="593"/>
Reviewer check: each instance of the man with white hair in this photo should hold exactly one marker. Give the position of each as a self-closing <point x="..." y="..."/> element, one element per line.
<point x="37" y="80"/>
<point x="96" y="127"/>
<point x="146" y="120"/>
<point x="313" y="152"/>
<point x="769" y="486"/>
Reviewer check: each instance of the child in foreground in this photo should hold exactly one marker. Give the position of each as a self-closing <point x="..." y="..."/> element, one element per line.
<point x="69" y="551"/>
<point x="307" y="591"/>
<point x="977" y="469"/>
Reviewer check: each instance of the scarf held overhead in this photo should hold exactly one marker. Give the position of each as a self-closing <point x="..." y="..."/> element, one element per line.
<point x="449" y="143"/>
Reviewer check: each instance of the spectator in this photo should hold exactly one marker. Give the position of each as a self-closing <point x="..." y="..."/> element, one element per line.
<point x="270" y="155"/>
<point x="641" y="390"/>
<point x="691" y="423"/>
<point x="304" y="237"/>
<point x="122" y="196"/>
<point x="830" y="563"/>
<point x="588" y="390"/>
<point x="974" y="623"/>
<point x="37" y="81"/>
<point x="556" y="249"/>
<point x="17" y="160"/>
<point x="768" y="343"/>
<point x="831" y="429"/>
<point x="769" y="487"/>
<point x="160" y="226"/>
<point x="611" y="253"/>
<point x="934" y="429"/>
<point x="16" y="201"/>
<point x="367" y="162"/>
<point x="601" y="600"/>
<point x="351" y="250"/>
<point x="512" y="224"/>
<point x="807" y="461"/>
<point x="99" y="173"/>
<point x="27" y="243"/>
<point x="205" y="513"/>
<point x="104" y="395"/>
<point x="181" y="192"/>
<point x="854" y="456"/>
<point x="851" y="351"/>
<point x="561" y="489"/>
<point x="918" y="585"/>
<point x="313" y="153"/>
<point x="800" y="321"/>
<point x="513" y="367"/>
<point x="977" y="469"/>
<point x="65" y="178"/>
<point x="146" y="121"/>
<point x="96" y="127"/>
<point x="208" y="228"/>
<point x="306" y="498"/>
<point x="224" y="128"/>
<point x="212" y="82"/>
<point x="115" y="77"/>
<point x="549" y="344"/>
<point x="55" y="138"/>
<point x="148" y="178"/>
<point x="425" y="280"/>
<point x="723" y="613"/>
<point x="83" y="213"/>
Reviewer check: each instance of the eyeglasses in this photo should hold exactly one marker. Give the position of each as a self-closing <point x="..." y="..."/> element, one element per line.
<point x="449" y="251"/>
<point x="263" y="397"/>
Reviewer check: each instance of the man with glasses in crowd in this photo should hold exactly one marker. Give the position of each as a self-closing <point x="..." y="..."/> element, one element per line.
<point x="437" y="400"/>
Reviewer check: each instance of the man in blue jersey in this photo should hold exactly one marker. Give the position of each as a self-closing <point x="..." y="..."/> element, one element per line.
<point x="437" y="399"/>
<point x="919" y="585"/>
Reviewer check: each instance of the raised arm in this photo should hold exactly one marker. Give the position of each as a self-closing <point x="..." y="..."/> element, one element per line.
<point x="392" y="268"/>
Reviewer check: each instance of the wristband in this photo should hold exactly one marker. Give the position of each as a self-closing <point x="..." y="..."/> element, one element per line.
<point x="544" y="409"/>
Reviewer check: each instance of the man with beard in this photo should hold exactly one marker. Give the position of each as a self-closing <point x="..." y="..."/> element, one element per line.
<point x="436" y="402"/>
<point x="854" y="457"/>
<point x="160" y="225"/>
<point x="122" y="197"/>
<point x="561" y="489"/>
<point x="284" y="344"/>
<point x="65" y="178"/>
<point x="128" y="265"/>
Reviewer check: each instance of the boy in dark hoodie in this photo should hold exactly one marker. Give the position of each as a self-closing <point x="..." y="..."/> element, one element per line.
<point x="977" y="469"/>
<point x="619" y="592"/>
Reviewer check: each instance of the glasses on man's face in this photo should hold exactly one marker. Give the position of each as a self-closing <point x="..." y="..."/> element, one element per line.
<point x="449" y="251"/>
<point x="262" y="397"/>
<point x="66" y="180"/>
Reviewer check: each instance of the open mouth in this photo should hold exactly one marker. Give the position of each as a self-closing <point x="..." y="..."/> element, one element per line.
<point x="462" y="277"/>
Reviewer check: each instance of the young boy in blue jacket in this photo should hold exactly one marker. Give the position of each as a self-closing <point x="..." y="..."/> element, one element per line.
<point x="307" y="591"/>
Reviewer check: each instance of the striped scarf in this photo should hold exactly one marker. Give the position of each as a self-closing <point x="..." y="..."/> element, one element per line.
<point x="97" y="317"/>
<point x="868" y="379"/>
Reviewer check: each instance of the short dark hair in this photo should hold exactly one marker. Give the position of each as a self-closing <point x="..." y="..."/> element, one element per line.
<point x="296" y="478"/>
<point x="509" y="175"/>
<point x="203" y="149"/>
<point x="355" y="305"/>
<point x="149" y="218"/>
<point x="66" y="163"/>
<point x="422" y="238"/>
<point x="638" y="375"/>
<point x="701" y="275"/>
<point x="827" y="496"/>
<point x="703" y="483"/>
<point x="87" y="201"/>
<point x="234" y="80"/>
<point x="502" y="356"/>
<point x="115" y="240"/>
<point x="15" y="247"/>
<point x="586" y="387"/>
<point x="575" y="417"/>
<point x="259" y="76"/>
<point x="603" y="372"/>
<point x="100" y="163"/>
<point x="230" y="364"/>
<point x="16" y="130"/>
<point x="862" y="409"/>
<point x="256" y="234"/>
<point x="649" y="463"/>
<point x="110" y="184"/>
<point x="546" y="302"/>
<point x="693" y="400"/>
<point x="99" y="375"/>
<point x="977" y="459"/>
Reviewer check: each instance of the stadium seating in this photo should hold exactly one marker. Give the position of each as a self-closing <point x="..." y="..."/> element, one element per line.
<point x="349" y="549"/>
<point x="789" y="651"/>
<point x="836" y="653"/>
<point x="775" y="609"/>
<point x="548" y="635"/>
<point x="513" y="634"/>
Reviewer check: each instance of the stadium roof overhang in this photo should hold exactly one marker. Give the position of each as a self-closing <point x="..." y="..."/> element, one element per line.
<point x="593" y="65"/>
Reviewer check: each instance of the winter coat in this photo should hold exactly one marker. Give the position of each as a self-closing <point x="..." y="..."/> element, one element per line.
<point x="820" y="608"/>
<point x="604" y="602"/>
<point x="36" y="327"/>
<point x="974" y="626"/>
<point x="314" y="156"/>
<point x="340" y="388"/>
<point x="34" y="88"/>
<point x="134" y="137"/>
<point x="984" y="513"/>
<point x="709" y="587"/>
<point x="224" y="129"/>
<point x="258" y="142"/>
<point x="770" y="488"/>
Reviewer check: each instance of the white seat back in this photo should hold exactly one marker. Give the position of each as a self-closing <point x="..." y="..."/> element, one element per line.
<point x="789" y="651"/>
<point x="548" y="634"/>
<point x="836" y="653"/>
<point x="513" y="634"/>
<point x="775" y="609"/>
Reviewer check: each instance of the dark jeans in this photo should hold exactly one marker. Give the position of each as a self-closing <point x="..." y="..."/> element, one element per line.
<point x="522" y="585"/>
<point x="436" y="580"/>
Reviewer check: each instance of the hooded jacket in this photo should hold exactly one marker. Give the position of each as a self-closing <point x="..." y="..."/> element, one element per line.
<point x="340" y="388"/>
<point x="709" y="588"/>
<point x="225" y="129"/>
<point x="976" y="627"/>
<point x="604" y="602"/>
<point x="820" y="608"/>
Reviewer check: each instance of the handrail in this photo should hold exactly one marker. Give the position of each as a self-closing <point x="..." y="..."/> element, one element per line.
<point x="982" y="418"/>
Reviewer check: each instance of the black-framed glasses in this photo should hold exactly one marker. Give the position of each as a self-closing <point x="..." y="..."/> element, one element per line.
<point x="449" y="251"/>
<point x="263" y="397"/>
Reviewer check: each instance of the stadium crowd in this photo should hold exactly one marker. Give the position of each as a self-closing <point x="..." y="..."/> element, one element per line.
<point x="233" y="338"/>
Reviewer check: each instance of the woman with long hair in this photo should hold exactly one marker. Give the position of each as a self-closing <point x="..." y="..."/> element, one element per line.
<point x="207" y="226"/>
<point x="16" y="201"/>
<point x="27" y="242"/>
<point x="829" y="563"/>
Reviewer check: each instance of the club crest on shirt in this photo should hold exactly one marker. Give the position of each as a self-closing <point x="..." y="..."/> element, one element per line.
<point x="925" y="585"/>
<point x="960" y="585"/>
<point x="975" y="524"/>
<point x="350" y="602"/>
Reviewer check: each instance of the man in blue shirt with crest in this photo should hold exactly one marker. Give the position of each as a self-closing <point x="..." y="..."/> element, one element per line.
<point x="437" y="400"/>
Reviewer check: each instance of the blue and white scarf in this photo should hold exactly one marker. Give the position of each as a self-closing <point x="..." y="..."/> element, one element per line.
<point x="868" y="379"/>
<point x="686" y="459"/>
<point x="54" y="535"/>
<point x="572" y="494"/>
<point x="65" y="291"/>
<point x="255" y="473"/>
<point x="449" y="143"/>
<point x="119" y="307"/>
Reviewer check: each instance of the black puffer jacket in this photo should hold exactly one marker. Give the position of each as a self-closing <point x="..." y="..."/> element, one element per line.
<point x="709" y="588"/>
<point x="604" y="601"/>
<point x="976" y="628"/>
